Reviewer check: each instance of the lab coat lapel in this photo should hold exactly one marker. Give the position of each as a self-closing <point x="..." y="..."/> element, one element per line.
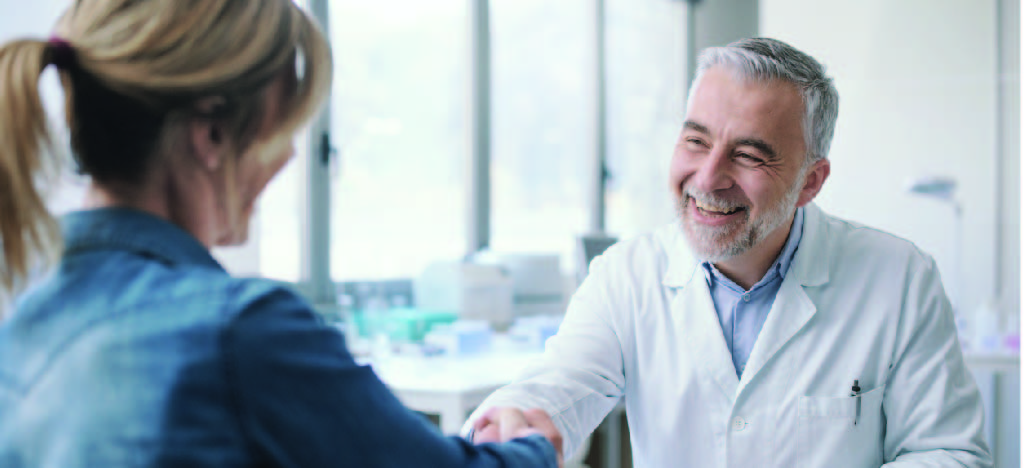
<point x="703" y="334"/>
<point x="790" y="312"/>
<point x="792" y="308"/>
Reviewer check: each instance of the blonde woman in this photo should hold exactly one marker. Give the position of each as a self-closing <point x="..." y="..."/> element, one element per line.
<point x="137" y="348"/>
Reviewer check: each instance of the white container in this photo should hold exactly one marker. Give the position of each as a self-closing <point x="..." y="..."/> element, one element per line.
<point x="473" y="291"/>
<point x="538" y="286"/>
<point x="533" y="332"/>
<point x="985" y="327"/>
<point x="536" y="275"/>
<point x="462" y="338"/>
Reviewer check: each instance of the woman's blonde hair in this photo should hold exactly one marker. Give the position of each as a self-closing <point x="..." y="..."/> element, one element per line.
<point x="129" y="70"/>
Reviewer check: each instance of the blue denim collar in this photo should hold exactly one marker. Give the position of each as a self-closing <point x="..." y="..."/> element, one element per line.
<point x="133" y="230"/>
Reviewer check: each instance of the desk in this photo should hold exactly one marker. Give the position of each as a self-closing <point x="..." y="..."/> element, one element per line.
<point x="993" y="361"/>
<point x="997" y="374"/>
<point x="450" y="387"/>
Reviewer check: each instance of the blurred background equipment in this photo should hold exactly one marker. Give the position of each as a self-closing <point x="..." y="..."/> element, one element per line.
<point x="473" y="291"/>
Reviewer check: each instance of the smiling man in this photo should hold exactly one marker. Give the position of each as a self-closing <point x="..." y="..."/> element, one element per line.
<point x="758" y="330"/>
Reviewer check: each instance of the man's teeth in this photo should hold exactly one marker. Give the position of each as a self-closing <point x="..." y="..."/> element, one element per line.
<point x="715" y="209"/>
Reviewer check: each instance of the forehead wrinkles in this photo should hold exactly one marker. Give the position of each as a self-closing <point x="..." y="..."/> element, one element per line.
<point x="741" y="108"/>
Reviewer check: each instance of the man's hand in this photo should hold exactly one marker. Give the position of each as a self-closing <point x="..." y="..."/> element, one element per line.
<point x="504" y="424"/>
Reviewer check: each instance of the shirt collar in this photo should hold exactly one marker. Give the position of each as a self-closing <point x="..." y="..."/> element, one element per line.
<point x="778" y="268"/>
<point x="796" y="232"/>
<point x="133" y="230"/>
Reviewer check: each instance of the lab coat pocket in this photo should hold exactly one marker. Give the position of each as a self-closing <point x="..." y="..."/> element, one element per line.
<point x="835" y="432"/>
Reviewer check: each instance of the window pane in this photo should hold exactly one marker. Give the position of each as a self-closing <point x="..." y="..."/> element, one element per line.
<point x="543" y="124"/>
<point x="281" y="220"/>
<point x="646" y="99"/>
<point x="399" y="119"/>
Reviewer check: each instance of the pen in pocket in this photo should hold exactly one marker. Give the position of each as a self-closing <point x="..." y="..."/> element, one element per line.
<point x="855" y="393"/>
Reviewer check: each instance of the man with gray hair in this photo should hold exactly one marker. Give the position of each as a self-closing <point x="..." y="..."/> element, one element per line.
<point x="758" y="330"/>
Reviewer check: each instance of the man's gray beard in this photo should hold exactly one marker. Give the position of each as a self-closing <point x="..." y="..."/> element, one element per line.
<point x="705" y="242"/>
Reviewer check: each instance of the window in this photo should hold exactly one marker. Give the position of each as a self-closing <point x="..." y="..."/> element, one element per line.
<point x="399" y="118"/>
<point x="646" y="103"/>
<point x="543" y="148"/>
<point x="400" y="122"/>
<point x="281" y="219"/>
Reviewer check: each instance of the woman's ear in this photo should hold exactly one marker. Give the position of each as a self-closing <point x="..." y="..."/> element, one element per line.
<point x="209" y="142"/>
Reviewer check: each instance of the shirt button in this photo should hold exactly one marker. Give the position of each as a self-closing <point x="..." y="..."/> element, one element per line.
<point x="738" y="424"/>
<point x="746" y="298"/>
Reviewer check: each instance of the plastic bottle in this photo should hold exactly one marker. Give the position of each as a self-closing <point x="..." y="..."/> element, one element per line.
<point x="375" y="307"/>
<point x="986" y="327"/>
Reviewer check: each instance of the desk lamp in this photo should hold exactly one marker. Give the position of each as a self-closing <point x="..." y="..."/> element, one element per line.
<point x="943" y="190"/>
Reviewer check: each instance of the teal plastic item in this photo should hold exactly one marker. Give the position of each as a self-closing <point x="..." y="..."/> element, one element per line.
<point x="401" y="323"/>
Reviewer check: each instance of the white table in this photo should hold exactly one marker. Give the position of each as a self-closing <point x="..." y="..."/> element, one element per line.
<point x="993" y="361"/>
<point x="997" y="374"/>
<point x="450" y="387"/>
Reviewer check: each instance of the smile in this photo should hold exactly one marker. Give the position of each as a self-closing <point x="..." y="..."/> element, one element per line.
<point x="712" y="210"/>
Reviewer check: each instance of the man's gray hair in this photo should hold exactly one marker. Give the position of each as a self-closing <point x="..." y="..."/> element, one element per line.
<point x="764" y="59"/>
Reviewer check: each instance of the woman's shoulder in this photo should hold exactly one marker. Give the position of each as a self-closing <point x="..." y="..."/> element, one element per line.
<point x="254" y="294"/>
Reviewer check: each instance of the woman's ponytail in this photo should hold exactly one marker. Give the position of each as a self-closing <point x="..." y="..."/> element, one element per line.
<point x="29" y="234"/>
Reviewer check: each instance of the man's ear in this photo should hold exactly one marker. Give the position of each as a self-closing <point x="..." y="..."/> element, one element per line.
<point x="816" y="177"/>
<point x="209" y="142"/>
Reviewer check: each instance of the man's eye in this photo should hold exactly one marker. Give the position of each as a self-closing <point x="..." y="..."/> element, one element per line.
<point x="695" y="141"/>
<point x="750" y="158"/>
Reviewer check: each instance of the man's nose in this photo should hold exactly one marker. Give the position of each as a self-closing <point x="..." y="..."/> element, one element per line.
<point x="714" y="172"/>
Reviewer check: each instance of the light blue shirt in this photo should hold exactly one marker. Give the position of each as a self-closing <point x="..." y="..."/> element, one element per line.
<point x="742" y="313"/>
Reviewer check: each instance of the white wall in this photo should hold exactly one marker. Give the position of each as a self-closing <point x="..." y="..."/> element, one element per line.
<point x="1007" y="424"/>
<point x="1010" y="14"/>
<point x="917" y="85"/>
<point x="28" y="19"/>
<point x="918" y="95"/>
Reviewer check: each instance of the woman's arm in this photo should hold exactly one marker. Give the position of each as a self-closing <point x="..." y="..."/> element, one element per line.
<point x="303" y="401"/>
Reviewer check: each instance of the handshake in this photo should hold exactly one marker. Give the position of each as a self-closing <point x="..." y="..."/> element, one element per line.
<point x="504" y="424"/>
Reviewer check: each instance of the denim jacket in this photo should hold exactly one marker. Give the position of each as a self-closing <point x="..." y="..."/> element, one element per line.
<point x="140" y="350"/>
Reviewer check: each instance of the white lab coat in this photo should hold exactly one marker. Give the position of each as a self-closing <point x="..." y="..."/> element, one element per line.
<point x="856" y="304"/>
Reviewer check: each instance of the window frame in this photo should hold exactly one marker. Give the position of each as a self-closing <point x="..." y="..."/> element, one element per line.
<point x="317" y="284"/>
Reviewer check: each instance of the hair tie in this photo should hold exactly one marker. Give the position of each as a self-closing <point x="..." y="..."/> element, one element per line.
<point x="62" y="54"/>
